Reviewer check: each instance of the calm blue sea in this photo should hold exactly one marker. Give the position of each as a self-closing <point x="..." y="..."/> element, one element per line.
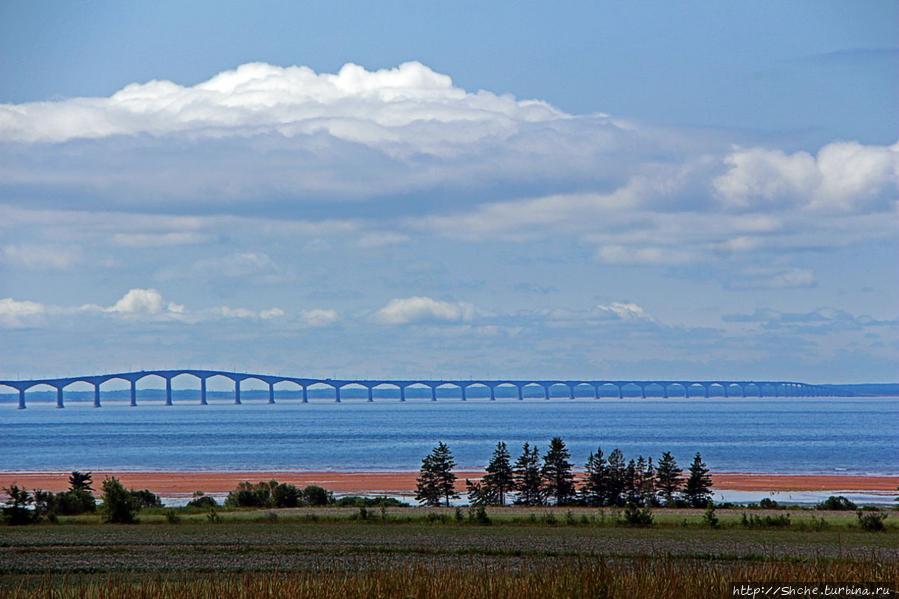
<point x="828" y="435"/>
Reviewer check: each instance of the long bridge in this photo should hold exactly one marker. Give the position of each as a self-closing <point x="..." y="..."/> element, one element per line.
<point x="685" y="388"/>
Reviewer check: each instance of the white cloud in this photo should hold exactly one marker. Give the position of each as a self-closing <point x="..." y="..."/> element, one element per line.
<point x="354" y="104"/>
<point x="844" y="176"/>
<point x="139" y="301"/>
<point x="41" y="256"/>
<point x="318" y="317"/>
<point x="775" y="278"/>
<point x="422" y="309"/>
<point x="14" y="314"/>
<point x="627" y="311"/>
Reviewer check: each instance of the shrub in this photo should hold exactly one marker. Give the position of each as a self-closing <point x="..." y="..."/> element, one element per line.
<point x="836" y="503"/>
<point x="145" y="498"/>
<point x="768" y="503"/>
<point x="286" y="495"/>
<point x="249" y="495"/>
<point x="709" y="515"/>
<point x="171" y="516"/>
<point x="636" y="516"/>
<point x="316" y="495"/>
<point x="204" y="502"/>
<point x="119" y="504"/>
<point x="213" y="516"/>
<point x="872" y="521"/>
<point x="781" y="521"/>
<point x="18" y="513"/>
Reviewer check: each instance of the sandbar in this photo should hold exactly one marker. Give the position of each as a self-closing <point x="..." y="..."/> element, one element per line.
<point x="177" y="483"/>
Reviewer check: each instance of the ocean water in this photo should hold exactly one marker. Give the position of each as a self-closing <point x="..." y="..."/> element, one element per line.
<point x="792" y="435"/>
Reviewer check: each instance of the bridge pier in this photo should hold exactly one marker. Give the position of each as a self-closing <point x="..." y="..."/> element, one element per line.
<point x="237" y="392"/>
<point x="168" y="391"/>
<point x="305" y="394"/>
<point x="97" y="395"/>
<point x="433" y="393"/>
<point x="370" y="398"/>
<point x="706" y="387"/>
<point x="643" y="391"/>
<point x="59" y="403"/>
<point x="492" y="393"/>
<point x="665" y="391"/>
<point x="133" y="393"/>
<point x="620" y="392"/>
<point x="402" y="393"/>
<point x="21" y="399"/>
<point x="464" y="393"/>
<point x="271" y="393"/>
<point x="520" y="393"/>
<point x="203" y="392"/>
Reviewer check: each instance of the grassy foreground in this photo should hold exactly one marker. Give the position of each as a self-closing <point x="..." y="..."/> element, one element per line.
<point x="428" y="553"/>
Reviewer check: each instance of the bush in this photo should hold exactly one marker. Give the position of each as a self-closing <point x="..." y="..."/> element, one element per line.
<point x="709" y="516"/>
<point x="316" y="495"/>
<point x="119" y="504"/>
<point x="171" y="516"/>
<point x="145" y="498"/>
<point x="781" y="521"/>
<point x="836" y="503"/>
<point x="18" y="513"/>
<point x="203" y="502"/>
<point x="359" y="501"/>
<point x="286" y="495"/>
<point x="872" y="521"/>
<point x="636" y="516"/>
<point x="249" y="495"/>
<point x="768" y="503"/>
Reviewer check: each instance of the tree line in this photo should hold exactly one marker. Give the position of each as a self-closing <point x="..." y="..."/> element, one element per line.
<point x="534" y="480"/>
<point x="119" y="504"/>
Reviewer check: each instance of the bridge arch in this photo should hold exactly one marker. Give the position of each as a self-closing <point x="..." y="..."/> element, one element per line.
<point x="476" y="390"/>
<point x="448" y="390"/>
<point x="561" y="389"/>
<point x="583" y="390"/>
<point x="321" y="391"/>
<point x="533" y="390"/>
<point x="507" y="390"/>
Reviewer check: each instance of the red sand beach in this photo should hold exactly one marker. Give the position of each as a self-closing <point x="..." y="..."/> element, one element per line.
<point x="399" y="482"/>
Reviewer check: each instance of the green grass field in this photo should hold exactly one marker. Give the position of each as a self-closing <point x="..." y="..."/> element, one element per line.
<point x="419" y="552"/>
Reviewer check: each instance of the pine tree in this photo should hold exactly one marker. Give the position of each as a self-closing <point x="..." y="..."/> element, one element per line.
<point x="80" y="481"/>
<point x="436" y="479"/>
<point x="558" y="481"/>
<point x="649" y="484"/>
<point x="593" y="491"/>
<point x="697" y="489"/>
<point x="668" y="477"/>
<point x="616" y="479"/>
<point x="527" y="477"/>
<point x="499" y="479"/>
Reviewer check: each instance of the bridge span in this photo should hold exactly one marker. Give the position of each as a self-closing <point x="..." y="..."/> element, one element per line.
<point x="663" y="388"/>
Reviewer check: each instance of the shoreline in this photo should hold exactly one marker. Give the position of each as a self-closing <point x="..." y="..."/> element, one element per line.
<point x="186" y="483"/>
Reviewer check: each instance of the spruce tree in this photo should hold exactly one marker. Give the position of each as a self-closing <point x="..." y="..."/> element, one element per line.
<point x="558" y="481"/>
<point x="593" y="490"/>
<point x="616" y="479"/>
<point x="697" y="489"/>
<point x="499" y="479"/>
<point x="668" y="477"/>
<point x="527" y="477"/>
<point x="436" y="479"/>
<point x="649" y="484"/>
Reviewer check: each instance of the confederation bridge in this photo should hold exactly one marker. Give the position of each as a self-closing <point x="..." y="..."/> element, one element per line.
<point x="665" y="388"/>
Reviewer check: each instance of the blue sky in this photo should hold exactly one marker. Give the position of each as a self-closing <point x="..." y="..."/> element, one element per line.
<point x="584" y="189"/>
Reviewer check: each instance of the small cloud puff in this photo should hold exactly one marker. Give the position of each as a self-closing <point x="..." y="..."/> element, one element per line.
<point x="423" y="309"/>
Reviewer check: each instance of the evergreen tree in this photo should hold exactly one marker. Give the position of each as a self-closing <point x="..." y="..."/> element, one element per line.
<point x="479" y="494"/>
<point x="558" y="481"/>
<point x="527" y="477"/>
<point x="632" y="482"/>
<point x="649" y="484"/>
<point x="697" y="489"/>
<point x="616" y="479"/>
<point x="81" y="481"/>
<point x="499" y="479"/>
<point x="593" y="491"/>
<point x="668" y="477"/>
<point x="436" y="479"/>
